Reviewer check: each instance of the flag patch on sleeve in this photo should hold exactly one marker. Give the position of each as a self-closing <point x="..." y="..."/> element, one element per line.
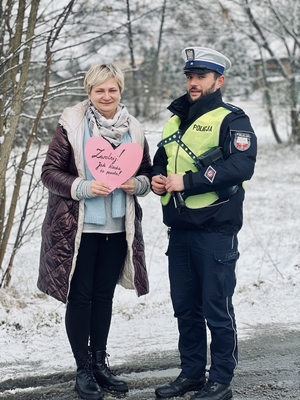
<point x="242" y="140"/>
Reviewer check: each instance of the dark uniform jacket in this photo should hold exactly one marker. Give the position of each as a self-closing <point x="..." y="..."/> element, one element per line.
<point x="237" y="166"/>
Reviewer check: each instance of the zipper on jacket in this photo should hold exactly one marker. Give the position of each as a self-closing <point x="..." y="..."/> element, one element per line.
<point x="175" y="172"/>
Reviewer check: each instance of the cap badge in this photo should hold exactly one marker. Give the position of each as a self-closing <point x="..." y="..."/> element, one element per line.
<point x="190" y="54"/>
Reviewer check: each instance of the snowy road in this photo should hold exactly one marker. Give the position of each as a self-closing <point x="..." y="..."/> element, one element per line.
<point x="269" y="369"/>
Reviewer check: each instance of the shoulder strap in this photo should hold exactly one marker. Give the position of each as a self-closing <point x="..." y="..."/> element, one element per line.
<point x="232" y="108"/>
<point x="176" y="137"/>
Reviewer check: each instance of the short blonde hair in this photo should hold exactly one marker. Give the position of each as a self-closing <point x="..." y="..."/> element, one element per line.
<point x="99" y="73"/>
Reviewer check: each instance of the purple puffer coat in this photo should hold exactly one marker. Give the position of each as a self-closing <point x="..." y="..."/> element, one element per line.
<point x="63" y="223"/>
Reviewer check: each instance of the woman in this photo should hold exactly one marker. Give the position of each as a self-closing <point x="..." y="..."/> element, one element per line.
<point x="91" y="236"/>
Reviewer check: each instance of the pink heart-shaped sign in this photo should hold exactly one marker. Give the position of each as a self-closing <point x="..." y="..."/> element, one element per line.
<point x="109" y="165"/>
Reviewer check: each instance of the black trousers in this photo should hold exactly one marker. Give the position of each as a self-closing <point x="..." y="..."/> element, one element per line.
<point x="202" y="280"/>
<point x="89" y="309"/>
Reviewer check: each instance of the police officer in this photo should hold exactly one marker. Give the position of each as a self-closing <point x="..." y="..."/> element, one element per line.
<point x="208" y="149"/>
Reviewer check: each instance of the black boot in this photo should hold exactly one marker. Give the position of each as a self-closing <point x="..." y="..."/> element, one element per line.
<point x="86" y="385"/>
<point x="214" y="391"/>
<point x="105" y="378"/>
<point x="179" y="387"/>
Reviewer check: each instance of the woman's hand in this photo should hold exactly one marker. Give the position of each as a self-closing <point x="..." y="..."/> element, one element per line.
<point x="100" y="188"/>
<point x="128" y="186"/>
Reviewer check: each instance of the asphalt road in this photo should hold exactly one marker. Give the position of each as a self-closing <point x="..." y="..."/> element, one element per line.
<point x="269" y="369"/>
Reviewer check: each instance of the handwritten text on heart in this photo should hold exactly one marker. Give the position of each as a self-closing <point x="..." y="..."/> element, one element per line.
<point x="109" y="165"/>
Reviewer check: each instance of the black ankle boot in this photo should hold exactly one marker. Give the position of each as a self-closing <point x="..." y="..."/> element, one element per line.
<point x="104" y="377"/>
<point x="86" y="385"/>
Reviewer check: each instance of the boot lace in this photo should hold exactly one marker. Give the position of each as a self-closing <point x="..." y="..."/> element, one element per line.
<point x="106" y="364"/>
<point x="88" y="370"/>
<point x="207" y="386"/>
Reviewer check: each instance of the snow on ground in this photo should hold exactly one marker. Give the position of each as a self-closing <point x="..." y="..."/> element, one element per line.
<point x="32" y="331"/>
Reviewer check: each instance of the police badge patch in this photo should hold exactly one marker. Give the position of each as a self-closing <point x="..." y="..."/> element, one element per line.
<point x="242" y="140"/>
<point x="210" y="174"/>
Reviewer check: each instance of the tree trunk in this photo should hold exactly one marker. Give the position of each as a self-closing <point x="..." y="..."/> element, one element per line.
<point x="53" y="36"/>
<point x="295" y="114"/>
<point x="18" y="86"/>
<point x="132" y="63"/>
<point x="152" y="93"/>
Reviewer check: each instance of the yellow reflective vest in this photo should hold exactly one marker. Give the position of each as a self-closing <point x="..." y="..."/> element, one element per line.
<point x="201" y="135"/>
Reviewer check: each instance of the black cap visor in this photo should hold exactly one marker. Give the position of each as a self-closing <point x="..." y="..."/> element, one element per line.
<point x="196" y="70"/>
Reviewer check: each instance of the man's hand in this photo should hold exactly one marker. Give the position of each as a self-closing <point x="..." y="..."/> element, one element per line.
<point x="158" y="184"/>
<point x="174" y="183"/>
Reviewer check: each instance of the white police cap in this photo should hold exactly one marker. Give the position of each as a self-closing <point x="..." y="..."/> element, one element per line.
<point x="202" y="59"/>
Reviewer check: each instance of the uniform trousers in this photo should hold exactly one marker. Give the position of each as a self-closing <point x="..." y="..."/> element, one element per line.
<point x="89" y="309"/>
<point x="202" y="281"/>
